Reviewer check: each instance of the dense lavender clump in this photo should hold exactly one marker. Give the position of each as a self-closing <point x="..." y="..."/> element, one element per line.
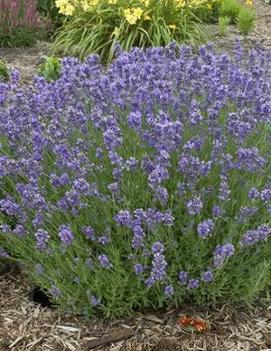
<point x="142" y="183"/>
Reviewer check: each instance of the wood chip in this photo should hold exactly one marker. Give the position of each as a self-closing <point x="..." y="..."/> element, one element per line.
<point x="106" y="340"/>
<point x="67" y="328"/>
<point x="267" y="338"/>
<point x="153" y="318"/>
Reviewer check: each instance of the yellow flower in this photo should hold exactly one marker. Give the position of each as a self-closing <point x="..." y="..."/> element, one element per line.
<point x="133" y="14"/>
<point x="146" y="17"/>
<point x="249" y="2"/>
<point x="65" y="7"/>
<point x="116" y="31"/>
<point x="180" y="3"/>
<point x="85" y="5"/>
<point x="69" y="10"/>
<point x="145" y="2"/>
<point x="172" y="26"/>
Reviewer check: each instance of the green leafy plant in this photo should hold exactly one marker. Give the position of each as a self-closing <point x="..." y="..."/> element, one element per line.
<point x="98" y="29"/>
<point x="230" y="8"/>
<point x="223" y="24"/>
<point x="50" y="68"/>
<point x="21" y="37"/>
<point x="246" y="20"/>
<point x="3" y="70"/>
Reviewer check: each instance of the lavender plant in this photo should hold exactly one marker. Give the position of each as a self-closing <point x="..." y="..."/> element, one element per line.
<point x="142" y="185"/>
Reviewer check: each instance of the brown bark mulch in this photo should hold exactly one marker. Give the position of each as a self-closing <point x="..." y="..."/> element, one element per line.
<point x="26" y="326"/>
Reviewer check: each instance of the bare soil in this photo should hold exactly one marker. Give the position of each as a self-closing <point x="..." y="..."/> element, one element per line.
<point x="26" y="60"/>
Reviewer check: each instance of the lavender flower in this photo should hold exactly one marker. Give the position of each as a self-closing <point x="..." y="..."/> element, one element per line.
<point x="39" y="269"/>
<point x="222" y="253"/>
<point x="94" y="300"/>
<point x="183" y="277"/>
<point x="159" y="265"/>
<point x="161" y="195"/>
<point x="217" y="211"/>
<point x="89" y="233"/>
<point x="169" y="290"/>
<point x="54" y="291"/>
<point x="138" y="238"/>
<point x="124" y="218"/>
<point x="193" y="284"/>
<point x="194" y="206"/>
<point x="138" y="268"/>
<point x="103" y="240"/>
<point x="207" y="276"/>
<point x="266" y="195"/>
<point x="158" y="248"/>
<point x="3" y="253"/>
<point x="104" y="261"/>
<point x="65" y="234"/>
<point x="42" y="238"/>
<point x="205" y="228"/>
<point x="251" y="237"/>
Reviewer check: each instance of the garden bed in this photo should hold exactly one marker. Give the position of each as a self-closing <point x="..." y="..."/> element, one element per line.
<point x="27" y="60"/>
<point x="26" y="326"/>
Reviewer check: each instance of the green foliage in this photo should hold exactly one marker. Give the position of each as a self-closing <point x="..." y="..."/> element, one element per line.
<point x="246" y="20"/>
<point x="50" y="68"/>
<point x="99" y="31"/>
<point x="3" y="70"/>
<point x="223" y="24"/>
<point x="47" y="8"/>
<point x="20" y="37"/>
<point x="230" y="8"/>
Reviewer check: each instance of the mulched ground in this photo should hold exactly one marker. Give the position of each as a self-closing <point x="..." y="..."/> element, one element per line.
<point x="25" y="326"/>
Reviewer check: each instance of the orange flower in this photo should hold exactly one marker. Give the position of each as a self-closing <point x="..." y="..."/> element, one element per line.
<point x="199" y="324"/>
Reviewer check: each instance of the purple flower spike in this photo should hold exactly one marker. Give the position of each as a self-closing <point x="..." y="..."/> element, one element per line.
<point x="65" y="234"/>
<point x="222" y="253"/>
<point x="42" y="238"/>
<point x="207" y="277"/>
<point x="194" y="206"/>
<point x="205" y="228"/>
<point x="3" y="253"/>
<point x="94" y="300"/>
<point x="54" y="291"/>
<point x="138" y="268"/>
<point x="183" y="277"/>
<point x="104" y="261"/>
<point x="169" y="290"/>
<point x="193" y="284"/>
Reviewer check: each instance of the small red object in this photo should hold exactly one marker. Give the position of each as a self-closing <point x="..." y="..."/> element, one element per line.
<point x="199" y="324"/>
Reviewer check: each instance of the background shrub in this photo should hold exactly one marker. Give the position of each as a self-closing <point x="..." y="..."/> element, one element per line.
<point x="223" y="24"/>
<point x="20" y="23"/>
<point x="143" y="185"/>
<point x="246" y="20"/>
<point x="230" y="8"/>
<point x="96" y="27"/>
<point x="47" y="8"/>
